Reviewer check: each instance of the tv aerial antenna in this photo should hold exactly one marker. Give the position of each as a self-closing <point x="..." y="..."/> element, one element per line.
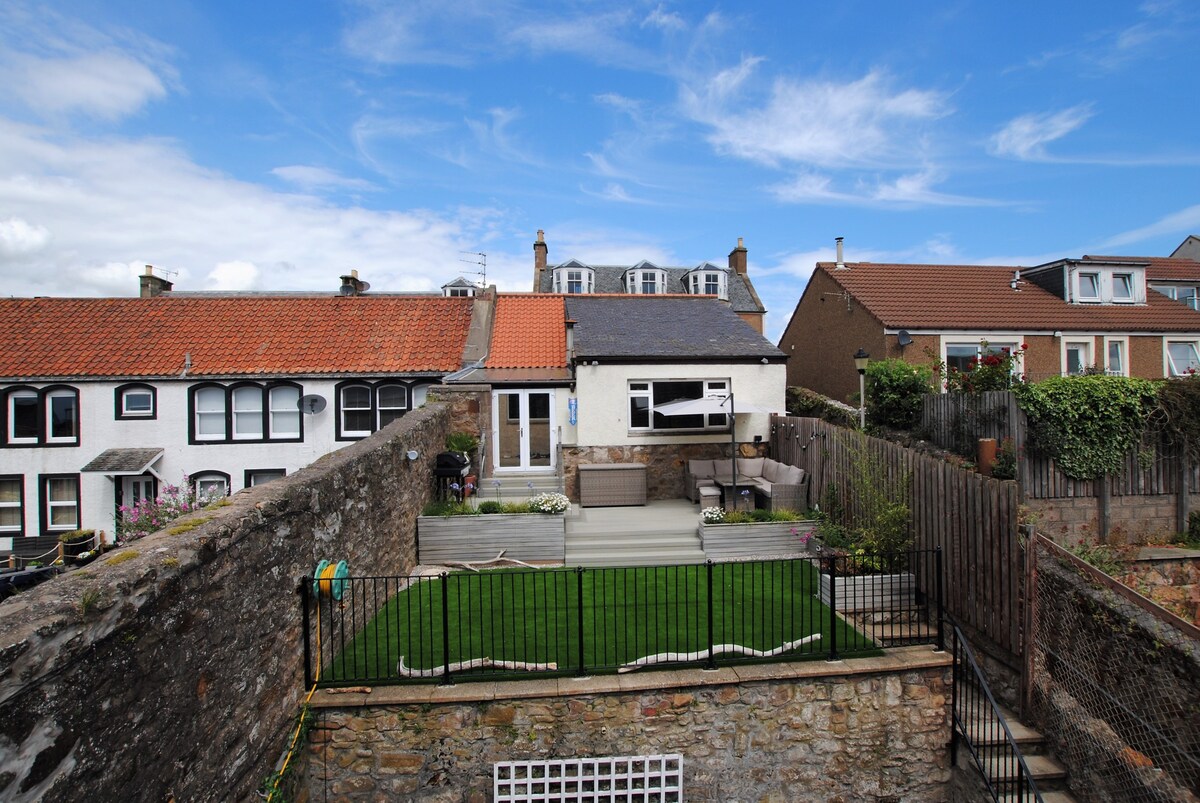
<point x="481" y="262"/>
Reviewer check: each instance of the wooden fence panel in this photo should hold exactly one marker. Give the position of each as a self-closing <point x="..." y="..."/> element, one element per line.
<point x="971" y="517"/>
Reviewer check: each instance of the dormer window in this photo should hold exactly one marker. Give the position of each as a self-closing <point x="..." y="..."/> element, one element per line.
<point x="645" y="280"/>
<point x="574" y="279"/>
<point x="1089" y="286"/>
<point x="1123" y="287"/>
<point x="708" y="280"/>
<point x="459" y="288"/>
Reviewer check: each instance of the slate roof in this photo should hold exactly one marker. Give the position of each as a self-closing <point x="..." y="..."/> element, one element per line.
<point x="529" y="331"/>
<point x="231" y="336"/>
<point x="978" y="297"/>
<point x="609" y="280"/>
<point x="123" y="461"/>
<point x="662" y="327"/>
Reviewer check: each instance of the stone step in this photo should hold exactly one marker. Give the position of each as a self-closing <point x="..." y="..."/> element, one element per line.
<point x="1047" y="773"/>
<point x="1047" y="797"/>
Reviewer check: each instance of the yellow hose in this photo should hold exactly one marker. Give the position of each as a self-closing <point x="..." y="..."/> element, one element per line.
<point x="325" y="582"/>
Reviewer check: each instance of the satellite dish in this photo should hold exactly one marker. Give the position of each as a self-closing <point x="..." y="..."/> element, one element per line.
<point x="904" y="338"/>
<point x="311" y="404"/>
<point x="364" y="287"/>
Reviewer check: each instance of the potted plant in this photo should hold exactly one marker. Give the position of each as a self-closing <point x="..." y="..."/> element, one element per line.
<point x="76" y="542"/>
<point x="726" y="535"/>
<point x="534" y="530"/>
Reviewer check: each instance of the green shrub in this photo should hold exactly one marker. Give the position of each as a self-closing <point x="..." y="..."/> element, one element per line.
<point x="490" y="506"/>
<point x="805" y="403"/>
<point x="463" y="442"/>
<point x="894" y="391"/>
<point x="77" y="535"/>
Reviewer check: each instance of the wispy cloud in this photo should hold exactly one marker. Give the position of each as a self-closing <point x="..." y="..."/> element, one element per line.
<point x="910" y="189"/>
<point x="310" y="177"/>
<point x="614" y="192"/>
<point x="1184" y="222"/>
<point x="1026" y="137"/>
<point x="55" y="66"/>
<point x="494" y="136"/>
<point x="867" y="122"/>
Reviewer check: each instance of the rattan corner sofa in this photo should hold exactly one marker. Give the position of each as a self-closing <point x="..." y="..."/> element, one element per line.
<point x="777" y="486"/>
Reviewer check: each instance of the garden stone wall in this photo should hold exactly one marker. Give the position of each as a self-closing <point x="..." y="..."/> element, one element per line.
<point x="871" y="729"/>
<point x="1132" y="519"/>
<point x="176" y="674"/>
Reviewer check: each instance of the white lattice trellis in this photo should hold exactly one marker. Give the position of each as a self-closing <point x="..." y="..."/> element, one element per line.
<point x="612" y="779"/>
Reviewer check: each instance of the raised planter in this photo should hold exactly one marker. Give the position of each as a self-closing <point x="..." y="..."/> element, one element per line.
<point x="871" y="592"/>
<point x="529" y="537"/>
<point x="760" y="539"/>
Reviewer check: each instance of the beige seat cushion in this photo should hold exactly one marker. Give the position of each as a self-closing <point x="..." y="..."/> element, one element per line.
<point x="771" y="469"/>
<point x="792" y="475"/>
<point x="700" y="468"/>
<point x="750" y="466"/>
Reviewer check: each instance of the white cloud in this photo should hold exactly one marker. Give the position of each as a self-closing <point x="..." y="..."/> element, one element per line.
<point x="915" y="189"/>
<point x="19" y="238"/>
<point x="816" y="123"/>
<point x="110" y="206"/>
<point x="236" y="275"/>
<point x="1184" y="222"/>
<point x="1025" y="137"/>
<point x="310" y="177"/>
<point x="108" y="85"/>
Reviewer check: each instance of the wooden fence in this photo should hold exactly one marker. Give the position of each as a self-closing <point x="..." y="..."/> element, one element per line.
<point x="971" y="517"/>
<point x="957" y="421"/>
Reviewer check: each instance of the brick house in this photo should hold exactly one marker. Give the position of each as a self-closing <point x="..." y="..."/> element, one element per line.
<point x="1112" y="314"/>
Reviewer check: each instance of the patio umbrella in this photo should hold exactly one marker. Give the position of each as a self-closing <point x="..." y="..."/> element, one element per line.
<point x="714" y="405"/>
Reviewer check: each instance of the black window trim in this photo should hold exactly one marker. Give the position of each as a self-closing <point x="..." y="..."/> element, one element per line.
<point x="265" y="389"/>
<point x="251" y="471"/>
<point x="20" y="532"/>
<point x="44" y="502"/>
<point x="42" y="441"/>
<point x="195" y="477"/>
<point x="119" y="392"/>
<point x="373" y="387"/>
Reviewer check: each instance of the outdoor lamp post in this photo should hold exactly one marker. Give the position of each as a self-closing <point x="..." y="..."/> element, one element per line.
<point x="860" y="362"/>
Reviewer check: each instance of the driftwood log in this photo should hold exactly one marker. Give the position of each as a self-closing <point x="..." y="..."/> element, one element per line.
<point x="718" y="649"/>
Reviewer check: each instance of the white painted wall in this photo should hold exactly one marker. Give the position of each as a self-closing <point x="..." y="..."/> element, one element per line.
<point x="603" y="392"/>
<point x="98" y="431"/>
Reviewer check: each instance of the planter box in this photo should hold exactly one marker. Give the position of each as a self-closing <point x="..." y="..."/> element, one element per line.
<point x="872" y="592"/>
<point x="531" y="537"/>
<point x="766" y="539"/>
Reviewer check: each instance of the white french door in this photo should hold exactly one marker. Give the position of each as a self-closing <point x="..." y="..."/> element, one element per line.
<point x="523" y="431"/>
<point x="135" y="489"/>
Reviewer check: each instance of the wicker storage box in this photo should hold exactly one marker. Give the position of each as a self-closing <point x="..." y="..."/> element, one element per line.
<point x="611" y="484"/>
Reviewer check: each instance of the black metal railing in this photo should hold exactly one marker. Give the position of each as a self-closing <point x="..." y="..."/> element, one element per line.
<point x="980" y="727"/>
<point x="522" y="623"/>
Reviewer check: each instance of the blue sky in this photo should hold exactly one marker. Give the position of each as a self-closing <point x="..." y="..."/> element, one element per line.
<point x="276" y="145"/>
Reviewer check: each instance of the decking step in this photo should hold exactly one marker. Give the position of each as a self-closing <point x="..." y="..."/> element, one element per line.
<point x="641" y="558"/>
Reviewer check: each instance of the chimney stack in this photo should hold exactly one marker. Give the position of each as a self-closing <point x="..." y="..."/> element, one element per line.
<point x="841" y="263"/>
<point x="737" y="258"/>
<point x="151" y="285"/>
<point x="352" y="285"/>
<point x="539" y="260"/>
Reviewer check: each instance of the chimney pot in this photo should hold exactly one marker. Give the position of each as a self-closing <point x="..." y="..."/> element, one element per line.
<point x="841" y="263"/>
<point x="540" y="251"/>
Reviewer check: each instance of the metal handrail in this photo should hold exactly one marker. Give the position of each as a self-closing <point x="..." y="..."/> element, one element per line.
<point x="1026" y="786"/>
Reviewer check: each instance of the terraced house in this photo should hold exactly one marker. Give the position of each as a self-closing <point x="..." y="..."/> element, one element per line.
<point x="104" y="400"/>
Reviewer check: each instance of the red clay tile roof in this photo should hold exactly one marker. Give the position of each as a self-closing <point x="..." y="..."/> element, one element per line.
<point x="529" y="331"/>
<point x="231" y="336"/>
<point x="979" y="297"/>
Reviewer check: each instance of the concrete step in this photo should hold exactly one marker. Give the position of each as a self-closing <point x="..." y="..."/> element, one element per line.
<point x="1047" y="797"/>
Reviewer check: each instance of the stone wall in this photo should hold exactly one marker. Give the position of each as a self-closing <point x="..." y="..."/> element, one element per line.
<point x="1116" y="686"/>
<point x="1132" y="519"/>
<point x="665" y="463"/>
<point x="1170" y="577"/>
<point x="871" y="729"/>
<point x="171" y="669"/>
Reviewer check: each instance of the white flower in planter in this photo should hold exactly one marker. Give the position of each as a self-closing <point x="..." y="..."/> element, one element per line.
<point x="549" y="503"/>
<point x="713" y="515"/>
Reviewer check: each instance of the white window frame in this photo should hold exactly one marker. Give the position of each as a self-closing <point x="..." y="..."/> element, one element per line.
<point x="644" y="389"/>
<point x="1079" y="295"/>
<point x="18" y="505"/>
<point x="1123" y="344"/>
<point x="996" y="342"/>
<point x="126" y="412"/>
<point x="346" y="432"/>
<point x="563" y="280"/>
<point x="215" y="412"/>
<point x="1126" y="279"/>
<point x="62" y="393"/>
<point x="1087" y="359"/>
<point x="206" y="479"/>
<point x="1169" y="366"/>
<point x="282" y="407"/>
<point x="23" y="393"/>
<point x="380" y="409"/>
<point x="637" y="278"/>
<point x="52" y="505"/>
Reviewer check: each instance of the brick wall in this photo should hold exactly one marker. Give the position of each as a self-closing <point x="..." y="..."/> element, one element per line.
<point x="1132" y="519"/>
<point x="874" y="729"/>
<point x="177" y="673"/>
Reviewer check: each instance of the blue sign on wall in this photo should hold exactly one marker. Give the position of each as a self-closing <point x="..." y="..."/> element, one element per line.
<point x="573" y="411"/>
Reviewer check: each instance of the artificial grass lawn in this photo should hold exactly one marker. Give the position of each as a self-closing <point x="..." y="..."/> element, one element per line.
<point x="627" y="613"/>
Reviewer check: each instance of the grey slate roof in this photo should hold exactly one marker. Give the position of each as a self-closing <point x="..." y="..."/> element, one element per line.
<point x="123" y="461"/>
<point x="653" y="328"/>
<point x="610" y="279"/>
